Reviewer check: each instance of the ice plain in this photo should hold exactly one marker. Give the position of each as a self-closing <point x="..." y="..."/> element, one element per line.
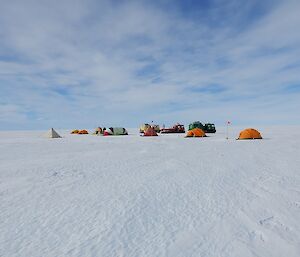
<point x="85" y="195"/>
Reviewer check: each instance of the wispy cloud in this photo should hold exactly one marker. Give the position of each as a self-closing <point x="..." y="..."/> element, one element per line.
<point x="84" y="63"/>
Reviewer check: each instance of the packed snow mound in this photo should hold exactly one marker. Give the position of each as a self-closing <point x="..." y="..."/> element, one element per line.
<point x="157" y="196"/>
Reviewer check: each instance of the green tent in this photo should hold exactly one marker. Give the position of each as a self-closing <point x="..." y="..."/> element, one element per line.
<point x="116" y="131"/>
<point x="120" y="131"/>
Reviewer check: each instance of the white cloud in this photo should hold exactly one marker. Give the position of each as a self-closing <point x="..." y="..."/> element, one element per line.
<point x="137" y="57"/>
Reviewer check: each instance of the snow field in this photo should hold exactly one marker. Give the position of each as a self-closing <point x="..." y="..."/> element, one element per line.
<point x="84" y="195"/>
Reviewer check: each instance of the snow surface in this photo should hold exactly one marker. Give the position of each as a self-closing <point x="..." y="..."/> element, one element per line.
<point x="85" y="195"/>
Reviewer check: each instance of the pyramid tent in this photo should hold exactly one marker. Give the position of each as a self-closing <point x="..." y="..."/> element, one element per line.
<point x="52" y="134"/>
<point x="250" y="133"/>
<point x="150" y="132"/>
<point x="196" y="132"/>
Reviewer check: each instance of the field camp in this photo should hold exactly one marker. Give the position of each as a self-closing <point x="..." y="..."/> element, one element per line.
<point x="196" y="129"/>
<point x="150" y="193"/>
<point x="167" y="128"/>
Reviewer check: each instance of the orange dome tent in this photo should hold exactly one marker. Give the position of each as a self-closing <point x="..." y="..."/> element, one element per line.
<point x="196" y="132"/>
<point x="76" y="131"/>
<point x="250" y="133"/>
<point x="150" y="132"/>
<point x="83" y="132"/>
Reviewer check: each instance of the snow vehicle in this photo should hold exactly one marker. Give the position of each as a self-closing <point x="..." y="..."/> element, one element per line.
<point x="207" y="128"/>
<point x="196" y="124"/>
<point x="177" y="128"/>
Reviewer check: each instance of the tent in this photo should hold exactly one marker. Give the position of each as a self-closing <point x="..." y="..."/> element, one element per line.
<point x="250" y="133"/>
<point x="83" y="132"/>
<point x="150" y="132"/>
<point x="144" y="127"/>
<point x="196" y="132"/>
<point x="98" y="131"/>
<point x="107" y="132"/>
<point x="52" y="134"/>
<point x="117" y="131"/>
<point x="76" y="131"/>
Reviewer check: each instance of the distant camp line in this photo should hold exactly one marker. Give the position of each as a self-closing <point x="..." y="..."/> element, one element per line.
<point x="196" y="129"/>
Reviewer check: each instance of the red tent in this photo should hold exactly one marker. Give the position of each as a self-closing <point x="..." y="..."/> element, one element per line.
<point x="150" y="132"/>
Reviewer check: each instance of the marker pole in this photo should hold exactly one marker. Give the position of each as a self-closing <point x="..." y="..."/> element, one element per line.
<point x="227" y="129"/>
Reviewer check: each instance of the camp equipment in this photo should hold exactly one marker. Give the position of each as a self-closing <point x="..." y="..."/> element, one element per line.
<point x="249" y="133"/>
<point x="156" y="128"/>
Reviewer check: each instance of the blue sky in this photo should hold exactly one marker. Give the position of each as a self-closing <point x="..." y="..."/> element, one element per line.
<point x="81" y="64"/>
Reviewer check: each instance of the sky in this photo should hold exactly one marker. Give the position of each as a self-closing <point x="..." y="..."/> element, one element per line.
<point x="82" y="64"/>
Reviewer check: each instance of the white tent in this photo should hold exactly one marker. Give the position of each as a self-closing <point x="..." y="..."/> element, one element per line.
<point x="52" y="134"/>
